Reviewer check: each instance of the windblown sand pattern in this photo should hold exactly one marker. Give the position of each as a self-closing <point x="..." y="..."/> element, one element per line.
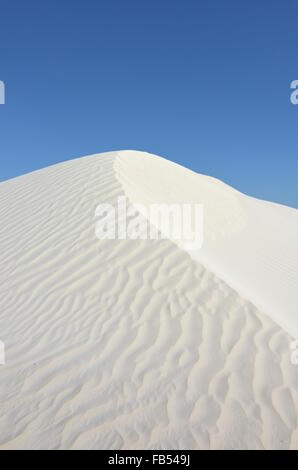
<point x="126" y="344"/>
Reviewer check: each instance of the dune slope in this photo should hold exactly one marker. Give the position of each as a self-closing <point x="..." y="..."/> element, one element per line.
<point x="249" y="243"/>
<point x="127" y="344"/>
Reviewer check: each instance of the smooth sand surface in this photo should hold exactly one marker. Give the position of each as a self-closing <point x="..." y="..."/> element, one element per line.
<point x="249" y="243"/>
<point x="131" y="344"/>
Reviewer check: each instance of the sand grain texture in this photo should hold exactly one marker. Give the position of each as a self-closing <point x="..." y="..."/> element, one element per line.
<point x="127" y="344"/>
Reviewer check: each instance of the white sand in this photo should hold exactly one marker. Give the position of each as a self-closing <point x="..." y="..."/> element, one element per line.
<point x="249" y="243"/>
<point x="127" y="344"/>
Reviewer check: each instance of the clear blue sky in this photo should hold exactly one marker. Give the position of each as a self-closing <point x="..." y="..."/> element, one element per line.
<point x="203" y="83"/>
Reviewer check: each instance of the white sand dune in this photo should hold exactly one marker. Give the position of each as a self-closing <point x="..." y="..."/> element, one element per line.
<point x="128" y="344"/>
<point x="251" y="244"/>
